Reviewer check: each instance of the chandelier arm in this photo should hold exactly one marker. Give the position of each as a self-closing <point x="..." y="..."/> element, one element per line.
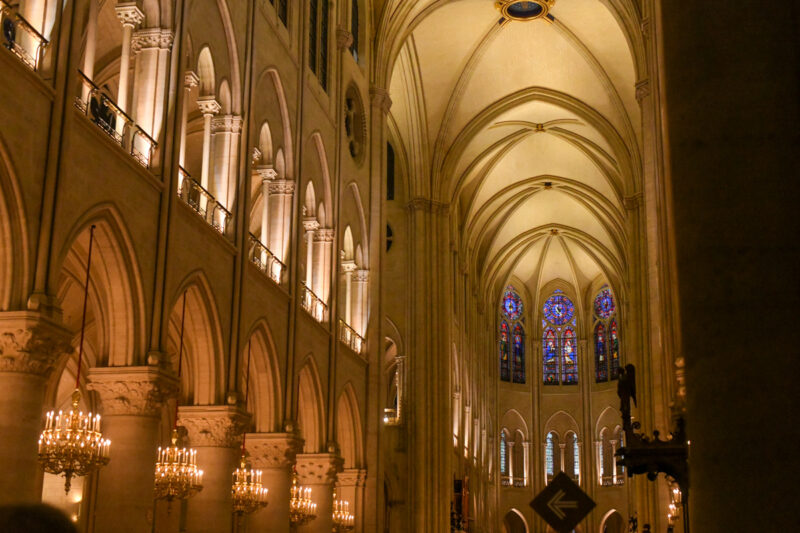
<point x="85" y="301"/>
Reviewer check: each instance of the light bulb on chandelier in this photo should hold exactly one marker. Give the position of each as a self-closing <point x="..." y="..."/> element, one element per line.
<point x="301" y="509"/>
<point x="343" y="520"/>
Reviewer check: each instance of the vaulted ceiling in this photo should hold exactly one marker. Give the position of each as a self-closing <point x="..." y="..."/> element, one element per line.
<point x="529" y="130"/>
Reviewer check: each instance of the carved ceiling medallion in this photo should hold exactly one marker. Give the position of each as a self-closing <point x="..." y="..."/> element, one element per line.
<point x="524" y="10"/>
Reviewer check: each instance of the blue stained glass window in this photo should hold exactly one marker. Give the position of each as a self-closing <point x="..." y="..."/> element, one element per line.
<point x="503" y="452"/>
<point x="559" y="310"/>
<point x="512" y="304"/>
<point x="550" y="351"/>
<point x="569" y="354"/>
<point x="614" y="349"/>
<point x="505" y="365"/>
<point x="549" y="463"/>
<point x="606" y="335"/>
<point x="519" y="354"/>
<point x="600" y="355"/>
<point x="604" y="305"/>
<point x="576" y="457"/>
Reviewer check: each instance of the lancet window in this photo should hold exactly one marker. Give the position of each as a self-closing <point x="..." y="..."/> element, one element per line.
<point x="559" y="341"/>
<point x="512" y="337"/>
<point x="318" y="40"/>
<point x="606" y="336"/>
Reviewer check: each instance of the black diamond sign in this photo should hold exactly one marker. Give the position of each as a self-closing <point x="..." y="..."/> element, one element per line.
<point x="562" y="504"/>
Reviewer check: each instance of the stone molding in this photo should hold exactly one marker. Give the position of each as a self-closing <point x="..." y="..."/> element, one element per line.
<point x="190" y="79"/>
<point x="361" y="276"/>
<point x="344" y="39"/>
<point x="273" y="450"/>
<point x="423" y="204"/>
<point x="324" y="235"/>
<point x="642" y="90"/>
<point x="32" y="344"/>
<point x="379" y="97"/>
<point x="226" y="124"/>
<point x="129" y="14"/>
<point x="318" y="468"/>
<point x="348" y="266"/>
<point x="218" y="426"/>
<point x="281" y="187"/>
<point x="133" y="391"/>
<point x="208" y="105"/>
<point x="633" y="202"/>
<point x="152" y="39"/>
<point x="266" y="172"/>
<point x="351" y="477"/>
<point x="310" y="223"/>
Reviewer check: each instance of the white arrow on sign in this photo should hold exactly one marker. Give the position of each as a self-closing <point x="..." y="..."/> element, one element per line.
<point x="556" y="505"/>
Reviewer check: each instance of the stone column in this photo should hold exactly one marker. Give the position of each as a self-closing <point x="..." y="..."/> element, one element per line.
<point x="613" y="444"/>
<point x="273" y="454"/>
<point x="348" y="267"/>
<point x="280" y="196"/>
<point x="310" y="225"/>
<point x="510" y="460"/>
<point x="190" y="81"/>
<point x="91" y="47"/>
<point x="562" y="461"/>
<point x="209" y="107"/>
<point x="350" y="484"/>
<point x="30" y="348"/>
<point x="526" y="449"/>
<point x="318" y="472"/>
<point x="226" y="130"/>
<point x="215" y="431"/>
<point x="130" y="16"/>
<point x="151" y="48"/>
<point x="267" y="174"/>
<point x="132" y="399"/>
<point x="360" y="280"/>
<point x="323" y="242"/>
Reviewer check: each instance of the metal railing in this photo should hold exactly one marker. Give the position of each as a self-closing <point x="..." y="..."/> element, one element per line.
<point x="312" y="303"/>
<point x="519" y="482"/>
<point x="101" y="109"/>
<point x="202" y="202"/>
<point x="265" y="260"/>
<point x="20" y="37"/>
<point x="350" y="337"/>
<point x="609" y="481"/>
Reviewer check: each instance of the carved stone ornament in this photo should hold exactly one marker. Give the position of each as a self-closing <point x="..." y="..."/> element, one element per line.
<point x="344" y="39"/>
<point x="31" y="344"/>
<point x="152" y="39"/>
<point x="129" y="14"/>
<point x="281" y="187"/>
<point x="190" y="79"/>
<point x="266" y="172"/>
<point x="213" y="426"/>
<point x="642" y="90"/>
<point x="380" y="99"/>
<point x="273" y="450"/>
<point x="226" y="124"/>
<point x="318" y="468"/>
<point x="140" y="391"/>
<point x="324" y="235"/>
<point x="632" y="202"/>
<point x="351" y="477"/>
<point x="208" y="105"/>
<point x="361" y="276"/>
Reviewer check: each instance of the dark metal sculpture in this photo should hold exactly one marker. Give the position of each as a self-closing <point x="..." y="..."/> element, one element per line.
<point x="652" y="456"/>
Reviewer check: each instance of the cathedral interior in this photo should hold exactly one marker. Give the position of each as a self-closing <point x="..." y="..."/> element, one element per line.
<point x="394" y="266"/>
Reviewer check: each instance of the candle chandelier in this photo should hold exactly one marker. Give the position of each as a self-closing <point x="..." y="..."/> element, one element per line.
<point x="71" y="443"/>
<point x="342" y="519"/>
<point x="247" y="492"/>
<point x="301" y="509"/>
<point x="177" y="475"/>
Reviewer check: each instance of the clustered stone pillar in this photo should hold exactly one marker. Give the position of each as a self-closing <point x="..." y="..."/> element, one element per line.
<point x="151" y="48"/>
<point x="190" y="81"/>
<point x="318" y="472"/>
<point x="130" y="16"/>
<point x="30" y="348"/>
<point x="215" y="431"/>
<point x="273" y="454"/>
<point x="360" y="290"/>
<point x="209" y="107"/>
<point x="348" y="267"/>
<point x="132" y="400"/>
<point x="323" y="242"/>
<point x="310" y="225"/>
<point x="226" y="129"/>
<point x="281" y="192"/>
<point x="267" y="174"/>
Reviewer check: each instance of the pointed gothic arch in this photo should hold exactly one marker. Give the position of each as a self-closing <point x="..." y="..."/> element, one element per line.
<point x="14" y="243"/>
<point x="265" y="397"/>
<point x="349" y="432"/>
<point x="310" y="407"/>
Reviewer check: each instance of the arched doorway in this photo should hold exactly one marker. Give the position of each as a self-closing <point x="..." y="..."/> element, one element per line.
<point x="613" y="523"/>
<point x="513" y="522"/>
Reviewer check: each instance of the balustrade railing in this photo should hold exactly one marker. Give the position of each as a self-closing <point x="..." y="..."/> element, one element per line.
<point x="20" y="37"/>
<point x="265" y="260"/>
<point x="312" y="303"/>
<point x="202" y="202"/>
<point x="101" y="109"/>
<point x="610" y="481"/>
<point x="350" y="337"/>
<point x="505" y="481"/>
<point x="519" y="482"/>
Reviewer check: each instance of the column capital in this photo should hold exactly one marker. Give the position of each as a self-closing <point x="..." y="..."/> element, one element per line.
<point x="208" y="105"/>
<point x="324" y="235"/>
<point x="152" y="39"/>
<point x="281" y="187"/>
<point x="266" y="172"/>
<point x="344" y="39"/>
<point x="310" y="224"/>
<point x="361" y="275"/>
<point x="219" y="426"/>
<point x="190" y="79"/>
<point x="31" y="343"/>
<point x="273" y="450"/>
<point x="379" y="97"/>
<point x="129" y="14"/>
<point x="133" y="390"/>
<point x="348" y="266"/>
<point x="351" y="477"/>
<point x="226" y="124"/>
<point x="430" y="206"/>
<point x="318" y="468"/>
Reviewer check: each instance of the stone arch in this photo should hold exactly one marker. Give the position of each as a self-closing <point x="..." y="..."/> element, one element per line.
<point x="288" y="146"/>
<point x="612" y="522"/>
<point x="349" y="433"/>
<point x="225" y="97"/>
<point x="14" y="252"/>
<point x="348" y="249"/>
<point x="310" y="407"/>
<point x="322" y="161"/>
<point x="206" y="72"/>
<point x="265" y="143"/>
<point x="202" y="380"/>
<point x="514" y="522"/>
<point x="264" y="398"/>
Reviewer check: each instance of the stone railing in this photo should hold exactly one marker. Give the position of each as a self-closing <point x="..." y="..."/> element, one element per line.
<point x="20" y="37"/>
<point x="101" y="109"/>
<point x="265" y="260"/>
<point x="312" y="303"/>
<point x="202" y="202"/>
<point x="505" y="481"/>
<point x="350" y="337"/>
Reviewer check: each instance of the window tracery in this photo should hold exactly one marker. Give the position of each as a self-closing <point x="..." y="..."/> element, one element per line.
<point x="559" y="341"/>
<point x="512" y="337"/>
<point x="606" y="336"/>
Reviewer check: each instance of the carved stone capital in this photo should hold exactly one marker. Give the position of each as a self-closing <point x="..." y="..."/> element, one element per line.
<point x="281" y="187"/>
<point x="256" y="155"/>
<point x="152" y="39"/>
<point x="138" y="391"/>
<point x="324" y="235"/>
<point x="380" y="99"/>
<point x="642" y="90"/>
<point x="190" y="79"/>
<point x="226" y="124"/>
<point x="344" y="39"/>
<point x="348" y="266"/>
<point x="633" y="202"/>
<point x="310" y="224"/>
<point x="208" y="105"/>
<point x="129" y="14"/>
<point x="219" y="426"/>
<point x="318" y="468"/>
<point x="31" y="344"/>
<point x="266" y="172"/>
<point x="361" y="276"/>
<point x="273" y="450"/>
<point x="352" y="477"/>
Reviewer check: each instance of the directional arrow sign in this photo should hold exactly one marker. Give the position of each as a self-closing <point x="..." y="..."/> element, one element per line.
<point x="562" y="504"/>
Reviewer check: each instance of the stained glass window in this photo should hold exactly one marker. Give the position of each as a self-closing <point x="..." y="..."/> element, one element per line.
<point x="512" y="305"/>
<point x="614" y="349"/>
<point x="558" y="309"/>
<point x="569" y="354"/>
<point x="549" y="463"/>
<point x="503" y="457"/>
<point x="576" y="458"/>
<point x="550" y="351"/>
<point x="604" y="305"/>
<point x="505" y="367"/>
<point x="519" y="354"/>
<point x="600" y="355"/>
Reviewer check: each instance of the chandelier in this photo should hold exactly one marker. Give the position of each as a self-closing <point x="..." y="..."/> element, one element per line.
<point x="342" y="519"/>
<point x="301" y="509"/>
<point x="71" y="443"/>
<point x="177" y="475"/>
<point x="247" y="492"/>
